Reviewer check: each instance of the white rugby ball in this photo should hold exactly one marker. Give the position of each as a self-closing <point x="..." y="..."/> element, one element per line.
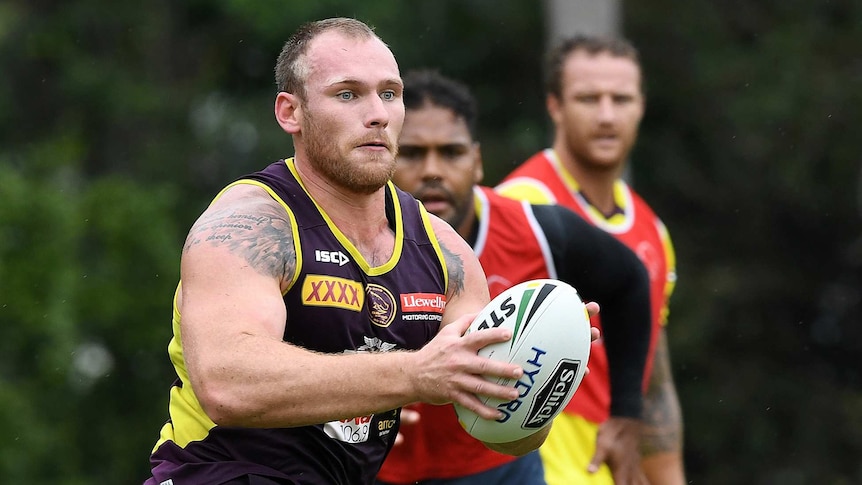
<point x="550" y="341"/>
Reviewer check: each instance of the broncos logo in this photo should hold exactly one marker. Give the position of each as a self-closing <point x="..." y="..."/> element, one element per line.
<point x="381" y="305"/>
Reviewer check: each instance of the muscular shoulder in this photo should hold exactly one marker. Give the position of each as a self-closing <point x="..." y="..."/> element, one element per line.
<point x="246" y="223"/>
<point x="466" y="277"/>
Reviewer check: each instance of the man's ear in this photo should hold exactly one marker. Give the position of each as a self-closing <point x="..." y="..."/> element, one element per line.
<point x="478" y="170"/>
<point x="288" y="112"/>
<point x="552" y="104"/>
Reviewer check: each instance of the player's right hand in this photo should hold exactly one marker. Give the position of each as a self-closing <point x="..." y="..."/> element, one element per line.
<point x="448" y="368"/>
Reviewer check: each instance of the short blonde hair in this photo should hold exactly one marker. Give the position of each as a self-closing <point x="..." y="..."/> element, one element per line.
<point x="292" y="68"/>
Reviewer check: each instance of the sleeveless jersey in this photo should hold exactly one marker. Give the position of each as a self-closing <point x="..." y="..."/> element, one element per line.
<point x="511" y="248"/>
<point x="543" y="180"/>
<point x="337" y="303"/>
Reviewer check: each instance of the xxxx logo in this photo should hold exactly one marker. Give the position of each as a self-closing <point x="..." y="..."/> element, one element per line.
<point x="329" y="291"/>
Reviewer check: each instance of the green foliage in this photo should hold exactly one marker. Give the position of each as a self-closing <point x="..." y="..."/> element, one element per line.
<point x="85" y="283"/>
<point x="119" y="123"/>
<point x="747" y="152"/>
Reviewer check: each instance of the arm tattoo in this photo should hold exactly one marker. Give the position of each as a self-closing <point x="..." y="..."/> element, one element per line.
<point x="260" y="233"/>
<point x="662" y="416"/>
<point x="455" y="268"/>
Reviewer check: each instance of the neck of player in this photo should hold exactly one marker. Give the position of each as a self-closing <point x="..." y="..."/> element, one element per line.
<point x="359" y="216"/>
<point x="596" y="182"/>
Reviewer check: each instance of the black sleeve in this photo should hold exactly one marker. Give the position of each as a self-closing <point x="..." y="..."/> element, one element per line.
<point x="606" y="271"/>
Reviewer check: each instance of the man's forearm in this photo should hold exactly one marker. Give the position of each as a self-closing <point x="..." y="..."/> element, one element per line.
<point x="664" y="468"/>
<point x="662" y="437"/>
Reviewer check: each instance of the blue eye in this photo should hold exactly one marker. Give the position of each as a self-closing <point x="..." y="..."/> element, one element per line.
<point x="346" y="95"/>
<point x="388" y="95"/>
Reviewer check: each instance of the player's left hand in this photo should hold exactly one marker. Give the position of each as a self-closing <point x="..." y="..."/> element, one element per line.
<point x="617" y="445"/>
<point x="593" y="310"/>
<point x="409" y="417"/>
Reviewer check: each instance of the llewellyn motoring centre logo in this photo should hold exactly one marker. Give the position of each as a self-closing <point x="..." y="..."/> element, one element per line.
<point x="422" y="307"/>
<point x="550" y="398"/>
<point x="423" y="302"/>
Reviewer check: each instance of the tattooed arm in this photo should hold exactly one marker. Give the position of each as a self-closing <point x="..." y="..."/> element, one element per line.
<point x="661" y="440"/>
<point x="468" y="288"/>
<point x="237" y="260"/>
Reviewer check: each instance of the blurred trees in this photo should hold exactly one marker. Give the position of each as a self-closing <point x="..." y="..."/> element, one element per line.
<point x="119" y="122"/>
<point x="749" y="152"/>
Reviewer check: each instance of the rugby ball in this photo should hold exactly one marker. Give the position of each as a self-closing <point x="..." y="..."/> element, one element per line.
<point x="550" y="341"/>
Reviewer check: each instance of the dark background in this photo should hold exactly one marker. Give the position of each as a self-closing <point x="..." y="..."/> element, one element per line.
<point x="118" y="123"/>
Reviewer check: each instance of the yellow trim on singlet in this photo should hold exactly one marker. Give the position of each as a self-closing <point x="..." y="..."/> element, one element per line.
<point x="527" y="189"/>
<point x="183" y="405"/>
<point x="357" y="256"/>
<point x="478" y="205"/>
<point x="176" y="308"/>
<point x="622" y="198"/>
<point x="432" y="236"/>
<point x="670" y="262"/>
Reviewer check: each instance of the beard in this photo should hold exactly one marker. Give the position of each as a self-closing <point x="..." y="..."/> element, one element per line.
<point x="460" y="207"/>
<point x="579" y="147"/>
<point x="358" y="175"/>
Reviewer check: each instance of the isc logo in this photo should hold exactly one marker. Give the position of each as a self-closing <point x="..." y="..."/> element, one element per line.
<point x="336" y="257"/>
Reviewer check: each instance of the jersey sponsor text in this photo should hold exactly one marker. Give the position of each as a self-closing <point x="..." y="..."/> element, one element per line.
<point x="330" y="291"/>
<point x="423" y="302"/>
<point x="550" y="398"/>
<point x="336" y="257"/>
<point x="524" y="385"/>
<point x="352" y="430"/>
